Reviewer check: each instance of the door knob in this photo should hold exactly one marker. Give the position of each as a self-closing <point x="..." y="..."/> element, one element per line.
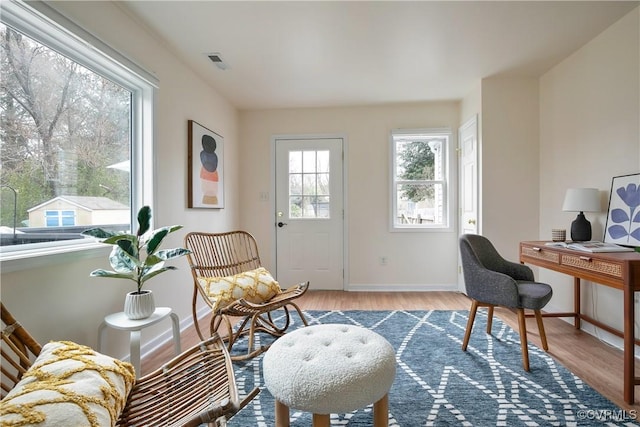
<point x="281" y="224"/>
<point x="472" y="221"/>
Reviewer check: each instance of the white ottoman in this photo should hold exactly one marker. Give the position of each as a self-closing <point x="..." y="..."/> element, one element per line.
<point x="332" y="368"/>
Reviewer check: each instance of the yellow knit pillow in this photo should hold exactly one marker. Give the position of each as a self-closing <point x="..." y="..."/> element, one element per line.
<point x="69" y="385"/>
<point x="255" y="286"/>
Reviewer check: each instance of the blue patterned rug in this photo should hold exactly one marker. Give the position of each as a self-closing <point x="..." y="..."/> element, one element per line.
<point x="437" y="384"/>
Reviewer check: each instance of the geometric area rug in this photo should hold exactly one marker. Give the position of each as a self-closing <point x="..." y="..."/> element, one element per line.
<point x="437" y="384"/>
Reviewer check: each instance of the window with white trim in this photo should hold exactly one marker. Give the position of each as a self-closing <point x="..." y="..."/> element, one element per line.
<point x="419" y="187"/>
<point x="75" y="131"/>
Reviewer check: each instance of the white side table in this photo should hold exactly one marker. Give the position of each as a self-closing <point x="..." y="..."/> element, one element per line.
<point x="122" y="322"/>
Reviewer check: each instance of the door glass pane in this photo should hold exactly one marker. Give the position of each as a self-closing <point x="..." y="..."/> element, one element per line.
<point x="295" y="161"/>
<point x="309" y="188"/>
<point x="308" y="161"/>
<point x="295" y="184"/>
<point x="305" y="187"/>
<point x="323" y="184"/>
<point x="323" y="161"/>
<point x="322" y="208"/>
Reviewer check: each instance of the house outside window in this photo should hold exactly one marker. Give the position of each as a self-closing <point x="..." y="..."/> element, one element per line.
<point x="75" y="126"/>
<point x="420" y="180"/>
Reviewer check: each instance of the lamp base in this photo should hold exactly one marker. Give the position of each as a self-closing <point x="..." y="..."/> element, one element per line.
<point x="580" y="229"/>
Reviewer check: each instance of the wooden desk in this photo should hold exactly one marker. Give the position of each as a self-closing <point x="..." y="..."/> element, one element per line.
<point x="620" y="270"/>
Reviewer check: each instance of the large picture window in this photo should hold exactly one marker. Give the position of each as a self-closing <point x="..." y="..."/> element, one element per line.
<point x="420" y="194"/>
<point x="75" y="120"/>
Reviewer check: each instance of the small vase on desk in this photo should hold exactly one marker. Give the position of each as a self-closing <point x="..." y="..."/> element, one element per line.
<point x="139" y="305"/>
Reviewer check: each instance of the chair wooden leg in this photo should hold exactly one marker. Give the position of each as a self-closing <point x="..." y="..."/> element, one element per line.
<point x="489" y="319"/>
<point x="523" y="339"/>
<point x="543" y="335"/>
<point x="472" y="317"/>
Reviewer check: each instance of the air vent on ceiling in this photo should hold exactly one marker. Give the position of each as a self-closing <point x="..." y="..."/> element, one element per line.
<point x="217" y="59"/>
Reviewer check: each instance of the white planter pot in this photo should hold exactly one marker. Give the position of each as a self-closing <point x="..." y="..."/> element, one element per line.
<point x="139" y="305"/>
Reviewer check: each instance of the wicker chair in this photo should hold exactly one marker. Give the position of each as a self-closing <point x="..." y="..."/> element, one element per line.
<point x="196" y="387"/>
<point x="227" y="254"/>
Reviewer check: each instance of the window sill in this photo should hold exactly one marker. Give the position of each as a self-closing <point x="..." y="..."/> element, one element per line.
<point x="11" y="261"/>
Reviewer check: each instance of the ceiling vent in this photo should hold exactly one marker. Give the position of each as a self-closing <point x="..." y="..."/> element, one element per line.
<point x="217" y="59"/>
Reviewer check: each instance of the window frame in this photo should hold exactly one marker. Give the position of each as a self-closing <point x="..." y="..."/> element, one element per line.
<point x="43" y="23"/>
<point x="446" y="181"/>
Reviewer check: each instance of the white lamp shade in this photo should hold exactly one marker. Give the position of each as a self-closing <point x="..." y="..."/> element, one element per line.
<point x="582" y="200"/>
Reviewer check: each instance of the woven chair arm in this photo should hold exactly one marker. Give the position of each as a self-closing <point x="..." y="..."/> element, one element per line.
<point x="197" y="385"/>
<point x="241" y="306"/>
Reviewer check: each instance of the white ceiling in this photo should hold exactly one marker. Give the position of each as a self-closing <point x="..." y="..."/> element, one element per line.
<point x="334" y="53"/>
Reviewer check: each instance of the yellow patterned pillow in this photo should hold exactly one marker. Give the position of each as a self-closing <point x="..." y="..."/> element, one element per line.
<point x="69" y="385"/>
<point x="255" y="286"/>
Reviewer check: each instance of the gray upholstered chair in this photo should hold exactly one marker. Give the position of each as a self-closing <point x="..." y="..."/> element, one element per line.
<point x="493" y="281"/>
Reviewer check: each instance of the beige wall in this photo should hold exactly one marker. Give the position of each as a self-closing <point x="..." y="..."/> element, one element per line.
<point x="415" y="260"/>
<point x="60" y="300"/>
<point x="589" y="133"/>
<point x="509" y="158"/>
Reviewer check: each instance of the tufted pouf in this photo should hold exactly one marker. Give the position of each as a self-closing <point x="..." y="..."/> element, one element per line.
<point x="331" y="368"/>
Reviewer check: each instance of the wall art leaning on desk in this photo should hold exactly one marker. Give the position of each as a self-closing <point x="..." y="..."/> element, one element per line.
<point x="592" y="246"/>
<point x="623" y="215"/>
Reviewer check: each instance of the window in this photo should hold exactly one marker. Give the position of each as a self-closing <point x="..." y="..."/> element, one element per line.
<point x="60" y="218"/>
<point x="75" y="132"/>
<point x="420" y="198"/>
<point x="309" y="184"/>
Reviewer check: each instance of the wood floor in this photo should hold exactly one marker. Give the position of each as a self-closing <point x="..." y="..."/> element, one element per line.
<point x="597" y="363"/>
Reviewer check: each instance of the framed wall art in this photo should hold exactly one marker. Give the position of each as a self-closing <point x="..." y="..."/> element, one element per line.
<point x="623" y="215"/>
<point x="206" y="168"/>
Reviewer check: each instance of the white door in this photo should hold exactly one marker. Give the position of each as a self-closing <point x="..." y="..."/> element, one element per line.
<point x="309" y="212"/>
<point x="468" y="179"/>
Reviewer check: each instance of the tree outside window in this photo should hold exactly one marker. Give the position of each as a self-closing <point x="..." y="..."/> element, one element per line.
<point x="419" y="188"/>
<point x="65" y="144"/>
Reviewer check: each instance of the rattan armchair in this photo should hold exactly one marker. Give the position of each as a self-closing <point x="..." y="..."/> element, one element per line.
<point x="194" y="388"/>
<point x="227" y="254"/>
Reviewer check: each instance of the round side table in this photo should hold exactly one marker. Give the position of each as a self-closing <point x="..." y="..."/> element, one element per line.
<point x="122" y="322"/>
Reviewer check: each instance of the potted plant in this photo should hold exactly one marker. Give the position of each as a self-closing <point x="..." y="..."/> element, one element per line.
<point x="128" y="260"/>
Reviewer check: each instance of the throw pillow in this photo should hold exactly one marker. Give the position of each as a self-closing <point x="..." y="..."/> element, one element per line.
<point x="255" y="286"/>
<point x="69" y="385"/>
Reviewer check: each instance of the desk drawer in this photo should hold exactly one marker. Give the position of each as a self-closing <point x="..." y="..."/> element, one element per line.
<point x="586" y="262"/>
<point x="540" y="253"/>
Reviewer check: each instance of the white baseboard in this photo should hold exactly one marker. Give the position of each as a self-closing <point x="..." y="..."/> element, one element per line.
<point x="360" y="287"/>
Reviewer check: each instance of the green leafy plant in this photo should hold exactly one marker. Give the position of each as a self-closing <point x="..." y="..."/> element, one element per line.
<point x="127" y="257"/>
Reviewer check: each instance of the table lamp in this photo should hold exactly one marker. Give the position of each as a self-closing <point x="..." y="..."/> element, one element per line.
<point x="581" y="200"/>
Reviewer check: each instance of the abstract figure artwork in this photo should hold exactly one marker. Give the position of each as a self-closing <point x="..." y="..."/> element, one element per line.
<point x="205" y="180"/>
<point x="623" y="216"/>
